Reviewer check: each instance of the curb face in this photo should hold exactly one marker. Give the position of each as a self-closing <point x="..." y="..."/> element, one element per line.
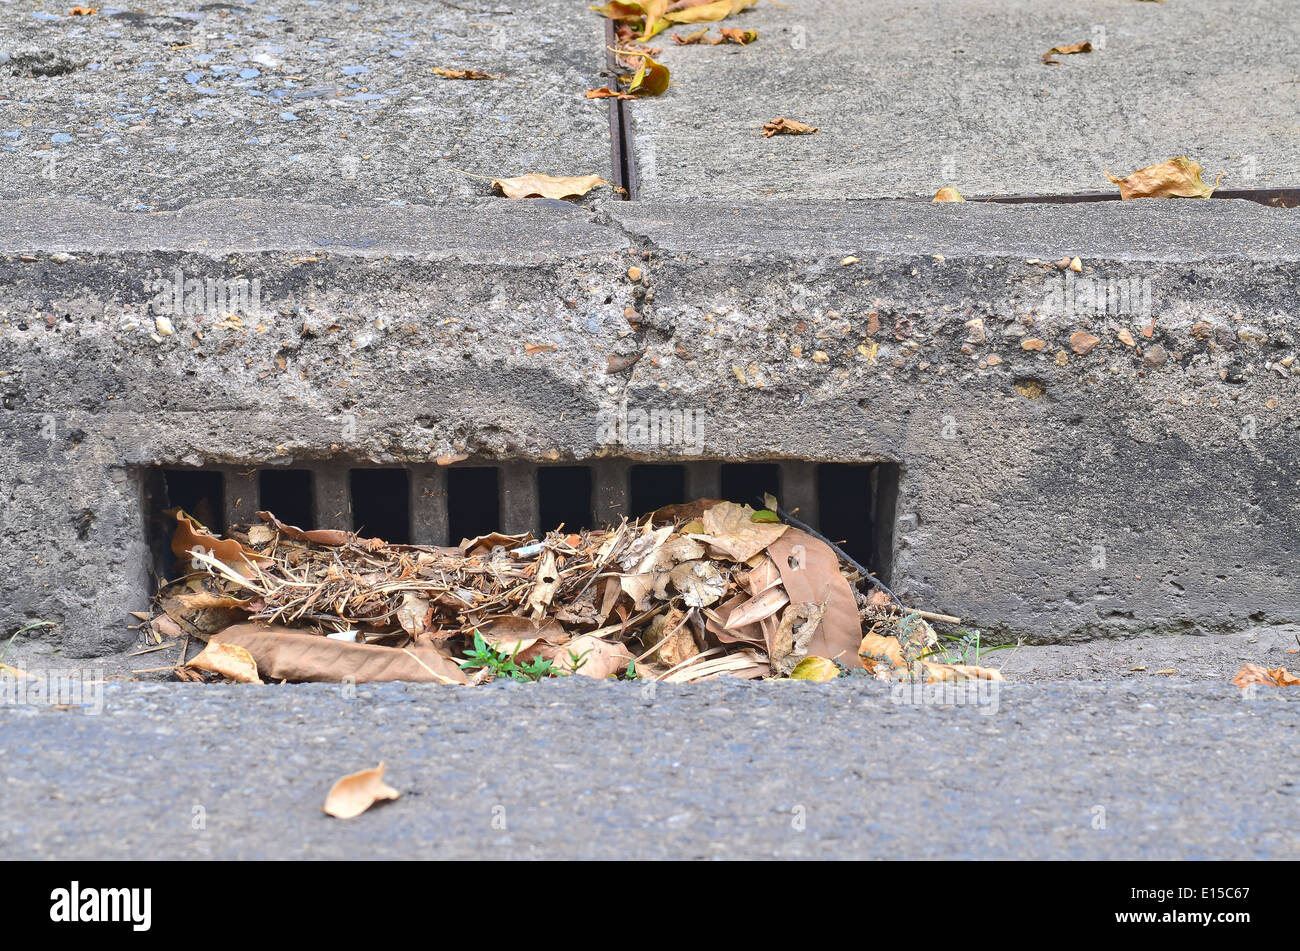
<point x="1049" y="487"/>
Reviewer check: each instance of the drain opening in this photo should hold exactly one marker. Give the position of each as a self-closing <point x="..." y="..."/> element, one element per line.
<point x="199" y="493"/>
<point x="473" y="502"/>
<point x="853" y="504"/>
<point x="652" y="487"/>
<point x="288" y="494"/>
<point x="745" y="482"/>
<point x="381" y="504"/>
<point x="564" y="495"/>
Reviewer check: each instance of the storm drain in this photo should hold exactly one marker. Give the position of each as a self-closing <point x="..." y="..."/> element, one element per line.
<point x="851" y="503"/>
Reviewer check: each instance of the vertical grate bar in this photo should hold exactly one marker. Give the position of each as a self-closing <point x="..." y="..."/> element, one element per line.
<point x="518" y="497"/>
<point x="240" y="496"/>
<point x="799" y="490"/>
<point x="332" y="506"/>
<point x="703" y="480"/>
<point x="429" y="505"/>
<point x="611" y="493"/>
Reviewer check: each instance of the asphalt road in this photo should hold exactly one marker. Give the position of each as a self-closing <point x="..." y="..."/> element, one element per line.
<point x="580" y="769"/>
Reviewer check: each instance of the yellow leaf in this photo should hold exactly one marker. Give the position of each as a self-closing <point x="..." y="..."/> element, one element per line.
<point x="819" y="669"/>
<point x="355" y="793"/>
<point x="1178" y="178"/>
<point x="947" y="193"/>
<point x="547" y="186"/>
<point x="229" y="660"/>
<point x="709" y="12"/>
<point x="651" y="79"/>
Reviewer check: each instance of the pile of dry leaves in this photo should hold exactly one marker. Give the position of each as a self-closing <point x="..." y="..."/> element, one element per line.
<point x="688" y="593"/>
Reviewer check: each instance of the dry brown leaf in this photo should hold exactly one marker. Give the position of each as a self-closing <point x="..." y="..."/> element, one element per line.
<point x="1269" y="677"/>
<point x="413" y="612"/>
<point x="758" y="607"/>
<point x="283" y="653"/>
<point x="595" y="657"/>
<point x="1084" y="47"/>
<point x="357" y="792"/>
<point x="229" y="660"/>
<point x="190" y="535"/>
<point x="1178" y="178"/>
<point x="536" y="185"/>
<point x="784" y="126"/>
<point x="810" y="573"/>
<point x="319" y="536"/>
<point x="464" y="73"/>
<point x="700" y="583"/>
<point x="82" y="11"/>
<point x="729" y="529"/>
<point x="947" y="193"/>
<point x="605" y="92"/>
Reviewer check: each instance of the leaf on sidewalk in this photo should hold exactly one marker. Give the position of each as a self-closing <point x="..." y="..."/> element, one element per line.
<point x="726" y="35"/>
<point x="1269" y="677"/>
<point x="357" y="792"/>
<point x="651" y="78"/>
<point x="229" y="660"/>
<point x="947" y="193"/>
<point x="464" y="73"/>
<point x="784" y="126"/>
<point x="536" y="185"/>
<point x="1178" y="178"/>
<point x="605" y="92"/>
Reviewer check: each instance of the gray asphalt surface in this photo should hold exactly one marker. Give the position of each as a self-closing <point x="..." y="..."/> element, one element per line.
<point x="579" y="769"/>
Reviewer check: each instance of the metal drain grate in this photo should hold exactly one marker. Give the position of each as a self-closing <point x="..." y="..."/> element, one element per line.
<point x="851" y="503"/>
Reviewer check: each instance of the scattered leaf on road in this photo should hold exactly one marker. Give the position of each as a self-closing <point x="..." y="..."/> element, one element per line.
<point x="784" y="126"/>
<point x="355" y="793"/>
<point x="1084" y="47"/>
<point x="947" y="193"/>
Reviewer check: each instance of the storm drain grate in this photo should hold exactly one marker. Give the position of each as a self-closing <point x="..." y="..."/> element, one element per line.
<point x="851" y="503"/>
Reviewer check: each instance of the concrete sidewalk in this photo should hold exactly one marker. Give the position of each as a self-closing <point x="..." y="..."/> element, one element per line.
<point x="165" y="103"/>
<point x="910" y="97"/>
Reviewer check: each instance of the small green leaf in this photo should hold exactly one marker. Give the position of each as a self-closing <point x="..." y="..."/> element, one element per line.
<point x="819" y="669"/>
<point x="764" y="515"/>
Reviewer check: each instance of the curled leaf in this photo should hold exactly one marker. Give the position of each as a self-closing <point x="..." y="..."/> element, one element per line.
<point x="784" y="126"/>
<point x="357" y="792"/>
<point x="651" y="78"/>
<point x="547" y="186"/>
<point x="1178" y="178"/>
<point x="947" y="193"/>
<point x="1084" y="47"/>
<point x="229" y="660"/>
<point x="607" y="93"/>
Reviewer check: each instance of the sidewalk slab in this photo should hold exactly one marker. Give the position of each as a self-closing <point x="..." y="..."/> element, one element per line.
<point x="155" y="106"/>
<point x="912" y="96"/>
